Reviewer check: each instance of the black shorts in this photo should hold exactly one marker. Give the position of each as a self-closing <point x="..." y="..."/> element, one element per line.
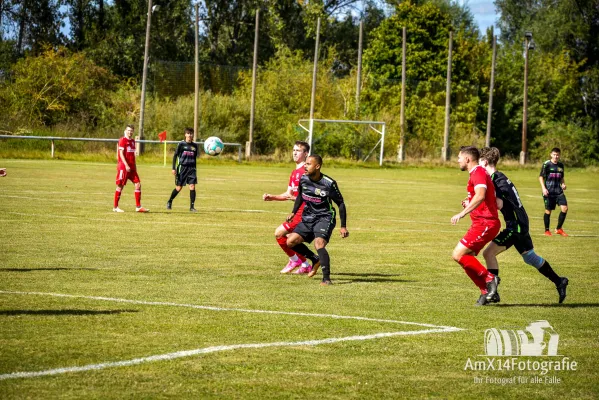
<point x="322" y="228"/>
<point x="186" y="175"/>
<point x="508" y="238"/>
<point x="551" y="201"/>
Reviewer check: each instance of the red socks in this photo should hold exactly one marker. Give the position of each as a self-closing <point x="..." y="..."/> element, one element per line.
<point x="138" y="198"/>
<point x="117" y="196"/>
<point x="476" y="271"/>
<point x="282" y="241"/>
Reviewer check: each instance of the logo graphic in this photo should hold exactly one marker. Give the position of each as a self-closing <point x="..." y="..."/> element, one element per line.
<point x="529" y="342"/>
<point x="320" y="192"/>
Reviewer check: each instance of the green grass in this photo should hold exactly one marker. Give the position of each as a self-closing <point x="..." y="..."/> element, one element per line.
<point x="59" y="235"/>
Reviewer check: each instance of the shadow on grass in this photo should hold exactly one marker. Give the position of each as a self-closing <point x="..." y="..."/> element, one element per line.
<point x="64" y="312"/>
<point x="556" y="305"/>
<point x="46" y="269"/>
<point x="367" y="278"/>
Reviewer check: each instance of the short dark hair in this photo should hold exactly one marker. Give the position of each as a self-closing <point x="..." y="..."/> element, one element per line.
<point x="490" y="154"/>
<point x="556" y="150"/>
<point x="130" y="126"/>
<point x="305" y="145"/>
<point x="471" y="151"/>
<point x="189" y="130"/>
<point x="317" y="158"/>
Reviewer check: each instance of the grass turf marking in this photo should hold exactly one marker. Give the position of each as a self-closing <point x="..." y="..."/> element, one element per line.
<point x="214" y="349"/>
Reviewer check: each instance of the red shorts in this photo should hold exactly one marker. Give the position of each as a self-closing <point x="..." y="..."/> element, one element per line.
<point x="297" y="218"/>
<point x="122" y="176"/>
<point x="479" y="235"/>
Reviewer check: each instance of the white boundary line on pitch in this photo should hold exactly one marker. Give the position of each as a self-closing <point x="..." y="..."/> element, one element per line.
<point x="214" y="349"/>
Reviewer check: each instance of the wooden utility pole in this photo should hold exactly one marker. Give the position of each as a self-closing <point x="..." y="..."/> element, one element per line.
<point x="445" y="150"/>
<point x="402" y="113"/>
<point x="196" y="104"/>
<point x="491" y="87"/>
<point x="249" y="143"/>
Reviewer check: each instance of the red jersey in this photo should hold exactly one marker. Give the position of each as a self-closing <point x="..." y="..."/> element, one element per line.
<point x="295" y="178"/>
<point x="128" y="147"/>
<point x="487" y="210"/>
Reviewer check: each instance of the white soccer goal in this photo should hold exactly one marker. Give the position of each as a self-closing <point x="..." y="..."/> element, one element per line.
<point x="371" y="125"/>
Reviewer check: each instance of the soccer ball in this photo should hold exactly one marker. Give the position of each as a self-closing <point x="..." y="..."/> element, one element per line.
<point x="213" y="146"/>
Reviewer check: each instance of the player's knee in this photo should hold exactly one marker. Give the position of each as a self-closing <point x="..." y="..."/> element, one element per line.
<point x="319" y="243"/>
<point x="280" y="232"/>
<point x="292" y="241"/>
<point x="564" y="209"/>
<point x="456" y="256"/>
<point x="532" y="258"/>
<point x="191" y="187"/>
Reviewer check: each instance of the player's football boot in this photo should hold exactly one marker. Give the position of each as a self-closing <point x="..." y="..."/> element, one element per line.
<point x="315" y="268"/>
<point x="547" y="233"/>
<point x="169" y="205"/>
<point x="304" y="269"/>
<point x="492" y="287"/>
<point x="116" y="209"/>
<point x="561" y="289"/>
<point x="141" y="210"/>
<point x="291" y="265"/>
<point x="326" y="282"/>
<point x="560" y="232"/>
<point x="495" y="298"/>
<point x="482" y="300"/>
<point x="193" y="210"/>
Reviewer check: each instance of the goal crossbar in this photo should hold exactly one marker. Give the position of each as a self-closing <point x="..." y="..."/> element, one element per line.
<point x="371" y="125"/>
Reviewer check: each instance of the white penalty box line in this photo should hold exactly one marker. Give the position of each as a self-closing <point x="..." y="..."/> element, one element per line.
<point x="213" y="349"/>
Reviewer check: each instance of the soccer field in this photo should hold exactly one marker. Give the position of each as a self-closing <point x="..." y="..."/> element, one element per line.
<point x="95" y="304"/>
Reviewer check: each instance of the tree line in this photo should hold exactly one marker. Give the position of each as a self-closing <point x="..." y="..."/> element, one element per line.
<point x="84" y="76"/>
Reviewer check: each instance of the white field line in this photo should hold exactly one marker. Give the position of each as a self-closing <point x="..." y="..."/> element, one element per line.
<point x="214" y="349"/>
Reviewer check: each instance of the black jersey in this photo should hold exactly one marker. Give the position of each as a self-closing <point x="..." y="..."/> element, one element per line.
<point x="513" y="211"/>
<point x="553" y="175"/>
<point x="317" y="196"/>
<point x="185" y="155"/>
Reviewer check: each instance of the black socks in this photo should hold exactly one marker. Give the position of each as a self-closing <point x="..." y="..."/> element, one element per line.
<point x="325" y="264"/>
<point x="561" y="219"/>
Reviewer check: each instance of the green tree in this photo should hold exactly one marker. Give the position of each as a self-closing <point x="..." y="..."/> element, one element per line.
<point x="58" y="86"/>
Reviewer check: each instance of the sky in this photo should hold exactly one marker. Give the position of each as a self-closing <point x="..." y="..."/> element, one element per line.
<point x="483" y="11"/>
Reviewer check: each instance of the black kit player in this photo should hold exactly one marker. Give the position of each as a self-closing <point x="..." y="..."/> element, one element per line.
<point x="553" y="186"/>
<point x="317" y="191"/>
<point x="184" y="169"/>
<point x="516" y="232"/>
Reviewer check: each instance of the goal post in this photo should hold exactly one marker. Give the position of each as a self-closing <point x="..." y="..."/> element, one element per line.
<point x="371" y="124"/>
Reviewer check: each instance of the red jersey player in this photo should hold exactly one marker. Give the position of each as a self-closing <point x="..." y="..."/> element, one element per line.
<point x="300" y="152"/>
<point x="125" y="170"/>
<point x="482" y="207"/>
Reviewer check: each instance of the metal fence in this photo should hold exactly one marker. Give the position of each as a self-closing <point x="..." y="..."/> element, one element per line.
<point x="52" y="139"/>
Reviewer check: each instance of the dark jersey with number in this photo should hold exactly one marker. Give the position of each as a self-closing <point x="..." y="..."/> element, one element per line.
<point x="185" y="155"/>
<point x="553" y="175"/>
<point x="318" y="196"/>
<point x="513" y="211"/>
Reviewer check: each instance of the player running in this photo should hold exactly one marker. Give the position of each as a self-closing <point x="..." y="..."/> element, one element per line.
<point x="126" y="170"/>
<point x="517" y="232"/>
<point x="184" y="169"/>
<point x="481" y="206"/>
<point x="553" y="186"/>
<point x="316" y="190"/>
<point x="300" y="152"/>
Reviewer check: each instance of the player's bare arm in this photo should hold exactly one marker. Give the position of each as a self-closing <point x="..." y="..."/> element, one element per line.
<point x="479" y="197"/>
<point x="499" y="203"/>
<point x="278" y="197"/>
